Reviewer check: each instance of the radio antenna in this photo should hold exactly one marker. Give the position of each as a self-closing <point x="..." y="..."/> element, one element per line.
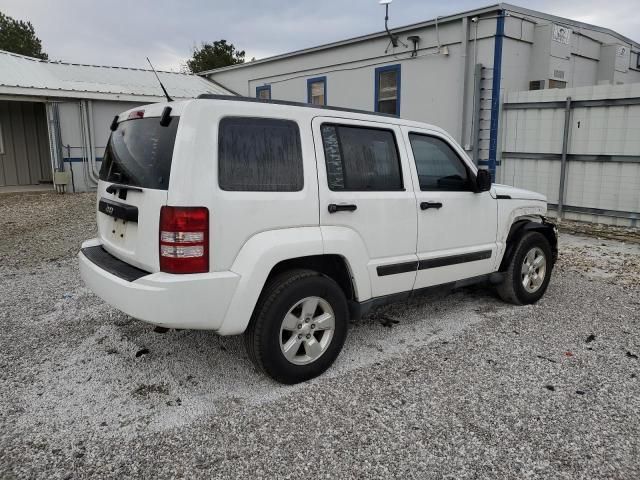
<point x="169" y="99"/>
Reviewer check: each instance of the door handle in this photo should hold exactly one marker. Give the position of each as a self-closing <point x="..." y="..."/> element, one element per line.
<point x="426" y="205"/>
<point x="333" y="208"/>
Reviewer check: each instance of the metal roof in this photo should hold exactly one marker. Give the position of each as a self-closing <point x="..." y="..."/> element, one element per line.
<point x="444" y="19"/>
<point x="20" y="75"/>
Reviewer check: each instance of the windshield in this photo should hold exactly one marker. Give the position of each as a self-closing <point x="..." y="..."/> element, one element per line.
<point x="139" y="153"/>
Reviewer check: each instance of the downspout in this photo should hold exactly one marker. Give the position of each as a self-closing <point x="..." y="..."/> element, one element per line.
<point x="58" y="136"/>
<point x="85" y="175"/>
<point x="465" y="82"/>
<point x="476" y="79"/>
<point x="51" y="135"/>
<point x="87" y="143"/>
<point x="495" y="95"/>
<point x="90" y="179"/>
<point x="92" y="143"/>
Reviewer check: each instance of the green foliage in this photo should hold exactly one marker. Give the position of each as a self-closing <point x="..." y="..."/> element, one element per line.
<point x="19" y="37"/>
<point x="214" y="55"/>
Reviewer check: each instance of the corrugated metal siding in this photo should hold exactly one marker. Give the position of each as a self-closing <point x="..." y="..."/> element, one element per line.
<point x="26" y="159"/>
<point x="598" y="130"/>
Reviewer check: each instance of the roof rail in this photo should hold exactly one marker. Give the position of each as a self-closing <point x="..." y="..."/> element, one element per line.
<point x="209" y="96"/>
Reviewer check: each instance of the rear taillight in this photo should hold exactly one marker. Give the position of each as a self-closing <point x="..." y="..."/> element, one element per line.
<point x="184" y="239"/>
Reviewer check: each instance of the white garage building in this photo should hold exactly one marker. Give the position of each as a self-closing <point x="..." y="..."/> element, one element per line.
<point x="449" y="71"/>
<point x="55" y="116"/>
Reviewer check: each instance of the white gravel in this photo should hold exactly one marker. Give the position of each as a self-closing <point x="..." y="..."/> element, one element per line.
<point x="462" y="386"/>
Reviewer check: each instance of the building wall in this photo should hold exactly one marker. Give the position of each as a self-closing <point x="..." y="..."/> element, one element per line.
<point x="71" y="137"/>
<point x="439" y="89"/>
<point x="24" y="147"/>
<point x="433" y="87"/>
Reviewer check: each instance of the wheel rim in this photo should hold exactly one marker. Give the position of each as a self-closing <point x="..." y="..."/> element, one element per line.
<point x="307" y="330"/>
<point x="534" y="269"/>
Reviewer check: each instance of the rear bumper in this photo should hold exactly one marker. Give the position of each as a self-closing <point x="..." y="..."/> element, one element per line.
<point x="197" y="301"/>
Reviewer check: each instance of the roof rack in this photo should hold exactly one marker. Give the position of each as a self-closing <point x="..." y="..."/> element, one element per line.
<point x="232" y="98"/>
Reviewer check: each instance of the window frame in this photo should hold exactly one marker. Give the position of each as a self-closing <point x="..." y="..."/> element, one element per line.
<point x="278" y="119"/>
<point x="1" y="140"/>
<point x="330" y="123"/>
<point x="471" y="175"/>
<point x="263" y="88"/>
<point x="310" y="82"/>
<point x="387" y="68"/>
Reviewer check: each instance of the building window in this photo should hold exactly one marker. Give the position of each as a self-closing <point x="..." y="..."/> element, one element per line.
<point x="317" y="91"/>
<point x="259" y="155"/>
<point x="263" y="92"/>
<point x="361" y="159"/>
<point x="1" y="141"/>
<point x="387" y="89"/>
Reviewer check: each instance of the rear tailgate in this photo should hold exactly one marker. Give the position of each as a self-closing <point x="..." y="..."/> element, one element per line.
<point x="133" y="187"/>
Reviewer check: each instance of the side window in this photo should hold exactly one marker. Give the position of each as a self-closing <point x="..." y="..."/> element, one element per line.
<point x="264" y="92"/>
<point x="360" y="159"/>
<point x="259" y="155"/>
<point x="317" y="91"/>
<point x="439" y="167"/>
<point x="387" y="89"/>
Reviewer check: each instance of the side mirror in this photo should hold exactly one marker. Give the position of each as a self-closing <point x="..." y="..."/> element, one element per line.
<point x="483" y="181"/>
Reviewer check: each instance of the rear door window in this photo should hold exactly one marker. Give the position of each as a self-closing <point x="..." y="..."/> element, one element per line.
<point x="259" y="155"/>
<point x="139" y="153"/>
<point x="361" y="159"/>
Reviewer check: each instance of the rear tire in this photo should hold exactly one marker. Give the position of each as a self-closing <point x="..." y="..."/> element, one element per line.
<point x="529" y="271"/>
<point x="298" y="327"/>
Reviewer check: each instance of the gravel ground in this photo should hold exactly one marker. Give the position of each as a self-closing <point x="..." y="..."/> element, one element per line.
<point x="456" y="385"/>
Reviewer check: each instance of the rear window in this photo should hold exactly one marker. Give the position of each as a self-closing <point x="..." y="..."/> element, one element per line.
<point x="259" y="155"/>
<point x="139" y="153"/>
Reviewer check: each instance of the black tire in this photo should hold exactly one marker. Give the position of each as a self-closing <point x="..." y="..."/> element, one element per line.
<point x="512" y="289"/>
<point x="263" y="335"/>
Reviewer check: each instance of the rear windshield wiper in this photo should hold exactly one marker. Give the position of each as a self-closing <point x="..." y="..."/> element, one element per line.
<point x="114" y="187"/>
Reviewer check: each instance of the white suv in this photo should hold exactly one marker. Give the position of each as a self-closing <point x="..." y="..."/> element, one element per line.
<point x="283" y="221"/>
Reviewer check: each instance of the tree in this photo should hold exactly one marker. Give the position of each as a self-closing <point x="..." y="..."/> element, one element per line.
<point x="20" y="37"/>
<point x="214" y="55"/>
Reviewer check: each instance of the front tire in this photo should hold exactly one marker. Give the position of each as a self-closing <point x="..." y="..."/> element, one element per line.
<point x="529" y="271"/>
<point x="298" y="327"/>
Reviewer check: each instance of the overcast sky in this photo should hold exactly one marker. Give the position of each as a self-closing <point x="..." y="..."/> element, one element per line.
<point x="123" y="32"/>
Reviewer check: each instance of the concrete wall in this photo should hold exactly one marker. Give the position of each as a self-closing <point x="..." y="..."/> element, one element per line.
<point x="603" y="171"/>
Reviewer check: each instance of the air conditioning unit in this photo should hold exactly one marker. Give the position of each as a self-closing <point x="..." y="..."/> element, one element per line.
<point x="536" y="85"/>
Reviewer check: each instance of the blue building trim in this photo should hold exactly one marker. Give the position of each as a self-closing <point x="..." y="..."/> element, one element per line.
<point x="495" y="95"/>
<point x="262" y="88"/>
<point x="316" y="80"/>
<point x="376" y="92"/>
